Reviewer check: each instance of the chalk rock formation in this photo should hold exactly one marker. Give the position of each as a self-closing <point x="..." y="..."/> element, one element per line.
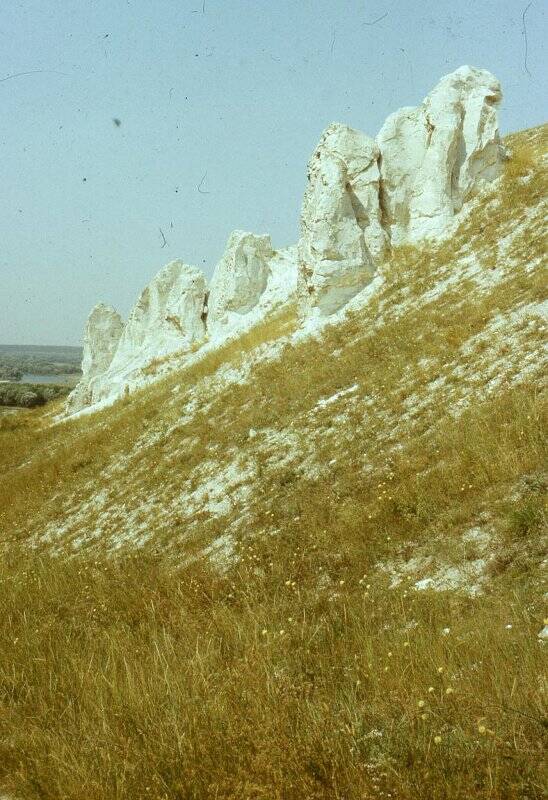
<point x="435" y="155"/>
<point x="250" y="282"/>
<point x="341" y="233"/>
<point x="363" y="196"/>
<point x="168" y="316"/>
<point x="101" y="337"/>
<point x="102" y="334"/>
<point x="240" y="278"/>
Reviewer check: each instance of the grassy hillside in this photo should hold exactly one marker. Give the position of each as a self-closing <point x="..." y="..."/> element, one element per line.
<point x="301" y="567"/>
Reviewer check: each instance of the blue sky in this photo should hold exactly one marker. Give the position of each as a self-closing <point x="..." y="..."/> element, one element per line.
<point x="220" y="105"/>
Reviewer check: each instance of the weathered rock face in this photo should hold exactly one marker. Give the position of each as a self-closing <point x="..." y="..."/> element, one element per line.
<point x="251" y="281"/>
<point x="102" y="334"/>
<point x="104" y="328"/>
<point x="434" y="156"/>
<point x="240" y="278"/>
<point x="168" y="316"/>
<point x="341" y="233"/>
<point x="363" y="197"/>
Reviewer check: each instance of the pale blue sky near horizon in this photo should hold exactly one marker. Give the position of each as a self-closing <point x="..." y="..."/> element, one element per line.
<point x="220" y="106"/>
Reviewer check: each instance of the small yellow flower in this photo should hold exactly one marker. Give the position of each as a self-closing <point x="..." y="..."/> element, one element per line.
<point x="421" y="704"/>
<point x="440" y="670"/>
<point x="390" y="654"/>
<point x="437" y="739"/>
<point x="406" y="644"/>
<point x="449" y="690"/>
<point x="482" y="729"/>
<point x="264" y="632"/>
<point x="424" y="716"/>
<point x="341" y="583"/>
<point x="431" y="689"/>
<point x="282" y="632"/>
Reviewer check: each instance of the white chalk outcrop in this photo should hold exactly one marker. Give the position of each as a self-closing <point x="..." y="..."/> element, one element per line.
<point x="102" y="335"/>
<point x="363" y="197"/>
<point x="168" y="316"/>
<point x="434" y="156"/>
<point x="249" y="282"/>
<point x="342" y="238"/>
<point x="239" y="280"/>
<point x="175" y="313"/>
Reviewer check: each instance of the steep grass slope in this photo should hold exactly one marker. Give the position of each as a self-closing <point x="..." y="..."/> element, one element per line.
<point x="303" y="566"/>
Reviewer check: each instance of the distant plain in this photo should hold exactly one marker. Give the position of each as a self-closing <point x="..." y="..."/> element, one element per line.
<point x="31" y="374"/>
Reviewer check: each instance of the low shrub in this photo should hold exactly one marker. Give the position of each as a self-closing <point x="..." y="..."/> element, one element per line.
<point x="27" y="395"/>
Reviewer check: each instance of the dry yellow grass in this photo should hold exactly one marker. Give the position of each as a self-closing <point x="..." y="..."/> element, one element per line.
<point x="294" y="672"/>
<point x="124" y="679"/>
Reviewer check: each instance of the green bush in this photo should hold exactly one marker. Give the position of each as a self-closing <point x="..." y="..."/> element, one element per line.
<point x="9" y="372"/>
<point x="28" y="395"/>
